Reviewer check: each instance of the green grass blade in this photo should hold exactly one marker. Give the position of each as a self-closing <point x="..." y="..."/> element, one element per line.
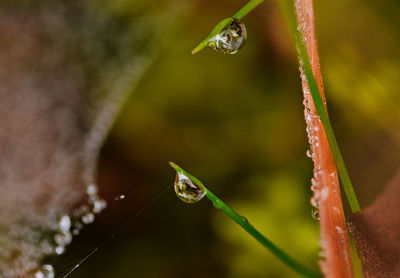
<point x="251" y="5"/>
<point x="241" y="221"/>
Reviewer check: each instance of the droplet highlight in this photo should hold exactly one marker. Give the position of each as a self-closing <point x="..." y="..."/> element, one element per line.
<point x="64" y="224"/>
<point x="99" y="205"/>
<point x="231" y="38"/>
<point x="315" y="213"/>
<point x="218" y="204"/>
<point x="120" y="197"/>
<point x="63" y="239"/>
<point x="314" y="202"/>
<point x="91" y="189"/>
<point x="45" y="271"/>
<point x="314" y="184"/>
<point x="187" y="190"/>
<point x="59" y="250"/>
<point x="87" y="218"/>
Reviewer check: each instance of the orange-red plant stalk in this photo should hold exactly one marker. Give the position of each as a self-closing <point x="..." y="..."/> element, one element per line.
<point x="334" y="239"/>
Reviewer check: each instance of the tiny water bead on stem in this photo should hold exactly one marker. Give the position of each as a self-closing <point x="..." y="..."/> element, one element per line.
<point x="190" y="186"/>
<point x="320" y="108"/>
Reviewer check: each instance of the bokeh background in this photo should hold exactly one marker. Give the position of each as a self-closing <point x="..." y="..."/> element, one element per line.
<point x="236" y="122"/>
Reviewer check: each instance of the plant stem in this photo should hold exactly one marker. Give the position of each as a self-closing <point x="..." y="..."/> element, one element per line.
<point x="219" y="204"/>
<point x="292" y="263"/>
<point x="251" y="5"/>
<point x="323" y="114"/>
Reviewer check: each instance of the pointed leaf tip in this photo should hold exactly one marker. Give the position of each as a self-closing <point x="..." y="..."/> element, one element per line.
<point x="173" y="165"/>
<point x="200" y="47"/>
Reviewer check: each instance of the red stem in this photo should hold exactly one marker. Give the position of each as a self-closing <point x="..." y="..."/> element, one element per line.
<point x="334" y="239"/>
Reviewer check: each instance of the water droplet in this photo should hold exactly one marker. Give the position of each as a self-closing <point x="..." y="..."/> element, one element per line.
<point x="99" y="205"/>
<point x="88" y="218"/>
<point x="46" y="271"/>
<point x="218" y="204"/>
<point x="339" y="229"/>
<point x="59" y="249"/>
<point x="314" y="184"/>
<point x="324" y="193"/>
<point x="336" y="210"/>
<point x="315" y="213"/>
<point x="231" y="38"/>
<point x="64" y="224"/>
<point x="91" y="189"/>
<point x="63" y="239"/>
<point x="245" y="219"/>
<point x="120" y="197"/>
<point x="309" y="153"/>
<point x="314" y="202"/>
<point x="187" y="190"/>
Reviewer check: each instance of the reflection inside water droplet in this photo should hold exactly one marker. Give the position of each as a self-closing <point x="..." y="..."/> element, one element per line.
<point x="231" y="38"/>
<point x="315" y="213"/>
<point x="187" y="190"/>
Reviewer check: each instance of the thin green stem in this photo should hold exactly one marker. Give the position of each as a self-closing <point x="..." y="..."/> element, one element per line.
<point x="251" y="5"/>
<point x="322" y="113"/>
<point x="242" y="221"/>
<point x="279" y="253"/>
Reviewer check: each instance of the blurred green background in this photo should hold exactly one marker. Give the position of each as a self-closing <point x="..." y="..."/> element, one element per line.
<point x="236" y="122"/>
